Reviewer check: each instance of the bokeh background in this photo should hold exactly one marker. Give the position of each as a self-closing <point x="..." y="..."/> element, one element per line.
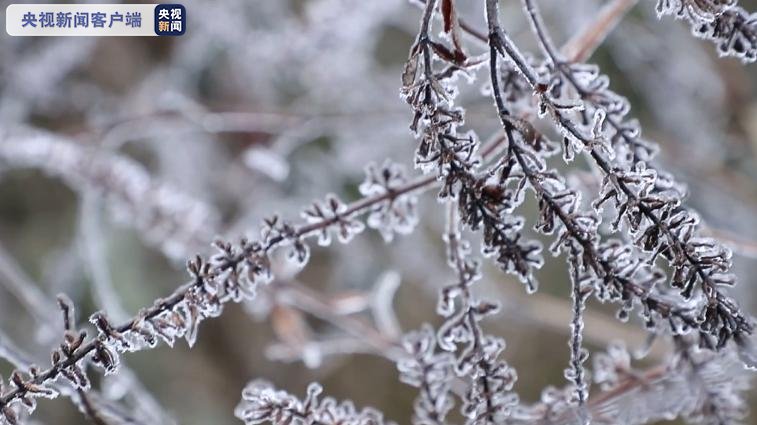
<point x="265" y="106"/>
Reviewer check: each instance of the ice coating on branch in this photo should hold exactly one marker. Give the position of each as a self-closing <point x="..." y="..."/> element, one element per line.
<point x="262" y="403"/>
<point x="723" y="22"/>
<point x="398" y="214"/>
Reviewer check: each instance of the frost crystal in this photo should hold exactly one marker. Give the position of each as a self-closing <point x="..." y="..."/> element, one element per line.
<point x="723" y="22"/>
<point x="261" y="403"/>
<point x="398" y="214"/>
<point x="335" y="212"/>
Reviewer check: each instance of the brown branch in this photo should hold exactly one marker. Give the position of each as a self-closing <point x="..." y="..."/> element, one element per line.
<point x="583" y="44"/>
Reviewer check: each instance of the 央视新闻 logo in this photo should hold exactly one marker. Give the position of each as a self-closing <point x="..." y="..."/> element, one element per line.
<point x="170" y="19"/>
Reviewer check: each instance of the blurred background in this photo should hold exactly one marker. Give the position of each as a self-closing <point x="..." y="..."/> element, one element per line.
<point x="121" y="157"/>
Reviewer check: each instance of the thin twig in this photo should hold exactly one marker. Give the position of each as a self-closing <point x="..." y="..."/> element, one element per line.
<point x="358" y="207"/>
